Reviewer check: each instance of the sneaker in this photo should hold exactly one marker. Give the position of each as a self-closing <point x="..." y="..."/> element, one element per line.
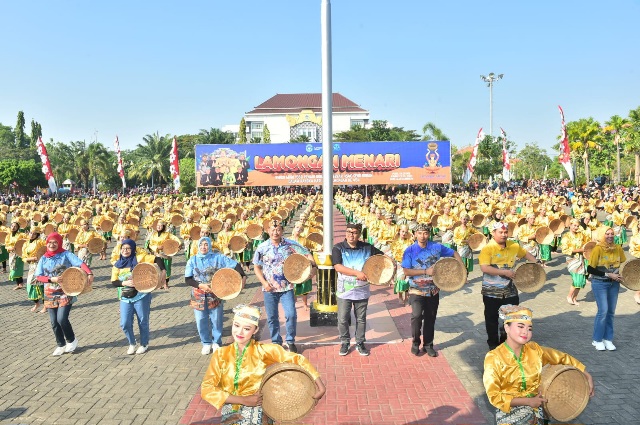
<point x="292" y="347"/>
<point x="71" y="347"/>
<point x="214" y="347"/>
<point x="58" y="351"/>
<point x="599" y="345"/>
<point x="415" y="349"/>
<point x="362" y="349"/>
<point x="429" y="350"/>
<point x="608" y="345"/>
<point x="142" y="349"/>
<point x="131" y="350"/>
<point x="344" y="349"/>
<point x="206" y="349"/>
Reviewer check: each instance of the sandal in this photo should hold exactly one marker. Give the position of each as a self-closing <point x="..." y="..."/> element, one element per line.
<point x="570" y="301"/>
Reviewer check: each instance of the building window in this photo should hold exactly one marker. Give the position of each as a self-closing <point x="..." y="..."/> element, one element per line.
<point x="256" y="134"/>
<point x="311" y="131"/>
<point x="359" y="123"/>
<point x="256" y="126"/>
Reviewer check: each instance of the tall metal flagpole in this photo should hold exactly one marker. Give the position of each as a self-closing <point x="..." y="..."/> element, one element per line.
<point x="490" y="80"/>
<point x="327" y="130"/>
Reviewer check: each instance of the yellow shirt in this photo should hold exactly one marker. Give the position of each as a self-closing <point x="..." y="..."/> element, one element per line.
<point x="157" y="239"/>
<point x="502" y="377"/>
<point x="461" y="235"/>
<point x="634" y="245"/>
<point x="607" y="258"/>
<point x="573" y="241"/>
<point x="218" y="381"/>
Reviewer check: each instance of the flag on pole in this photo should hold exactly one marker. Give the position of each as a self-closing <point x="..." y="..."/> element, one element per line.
<point x="46" y="166"/>
<point x="506" y="165"/>
<point x="120" y="167"/>
<point x="468" y="172"/>
<point x="174" y="167"/>
<point x="564" y="157"/>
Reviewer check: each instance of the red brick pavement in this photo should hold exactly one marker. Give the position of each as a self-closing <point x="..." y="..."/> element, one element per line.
<point x="391" y="386"/>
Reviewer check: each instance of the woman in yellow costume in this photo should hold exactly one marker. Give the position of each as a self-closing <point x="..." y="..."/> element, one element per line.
<point x="84" y="236"/>
<point x="512" y="371"/>
<point x="634" y="250"/>
<point x="35" y="291"/>
<point x="155" y="246"/>
<point x="402" y="241"/>
<point x="526" y="234"/>
<point x="461" y="240"/>
<point x="572" y="243"/>
<point x="16" y="266"/>
<point x="445" y="225"/>
<point x="542" y="220"/>
<point x="232" y="381"/>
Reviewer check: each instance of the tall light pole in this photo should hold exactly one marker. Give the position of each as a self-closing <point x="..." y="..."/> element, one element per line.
<point x="490" y="80"/>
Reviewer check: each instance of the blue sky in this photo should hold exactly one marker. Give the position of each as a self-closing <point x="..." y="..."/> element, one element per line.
<point x="96" y="69"/>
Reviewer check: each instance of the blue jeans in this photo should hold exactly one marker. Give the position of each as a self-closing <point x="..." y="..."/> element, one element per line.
<point x="606" y="295"/>
<point x="288" y="301"/>
<point x="210" y="334"/>
<point x="142" y="310"/>
<point x="62" y="329"/>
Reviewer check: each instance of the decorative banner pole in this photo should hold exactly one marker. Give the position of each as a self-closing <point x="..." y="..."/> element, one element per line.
<point x="174" y="167"/>
<point x="120" y="167"/>
<point x="46" y="166"/>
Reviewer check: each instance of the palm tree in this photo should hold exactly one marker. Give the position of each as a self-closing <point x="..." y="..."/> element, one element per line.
<point x="617" y="126"/>
<point x="152" y="158"/>
<point x="215" y="136"/>
<point x="632" y="144"/>
<point x="431" y="132"/>
<point x="584" y="137"/>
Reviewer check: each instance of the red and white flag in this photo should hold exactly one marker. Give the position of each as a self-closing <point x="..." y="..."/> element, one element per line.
<point x="468" y="172"/>
<point x="565" y="157"/>
<point x="506" y="165"/>
<point x="174" y="167"/>
<point x="120" y="167"/>
<point x="46" y="166"/>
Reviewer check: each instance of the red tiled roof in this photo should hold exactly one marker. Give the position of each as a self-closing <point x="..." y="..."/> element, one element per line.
<point x="295" y="102"/>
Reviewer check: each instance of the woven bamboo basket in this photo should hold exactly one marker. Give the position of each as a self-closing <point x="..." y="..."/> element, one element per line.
<point x="477" y="241"/>
<point x="237" y="244"/>
<point x="230" y="216"/>
<point x="530" y="277"/>
<point x="633" y="206"/>
<point x="133" y="221"/>
<point x="588" y="247"/>
<point x="629" y="221"/>
<point x="449" y="274"/>
<point x="3" y="235"/>
<point x="37" y="217"/>
<point x="434" y="220"/>
<point x="567" y="391"/>
<point x="74" y="279"/>
<point x="544" y="235"/>
<point x="215" y="225"/>
<point x="478" y="219"/>
<point x="48" y="228"/>
<point x="23" y="222"/>
<point x="194" y="233"/>
<point x="522" y="221"/>
<point x="177" y="220"/>
<point x="86" y="214"/>
<point x="95" y="245"/>
<point x="630" y="272"/>
<point x="146" y="277"/>
<point x="226" y="284"/>
<point x="511" y="229"/>
<point x="73" y="233"/>
<point x="266" y="224"/>
<point x="17" y="248"/>
<point x="170" y="247"/>
<point x="379" y="269"/>
<point x="254" y="231"/>
<point x="58" y="217"/>
<point x="106" y="225"/>
<point x="297" y="268"/>
<point x="40" y="252"/>
<point x="287" y="392"/>
<point x="557" y="226"/>
<point x="566" y="219"/>
<point x="317" y="239"/>
<point x="77" y="221"/>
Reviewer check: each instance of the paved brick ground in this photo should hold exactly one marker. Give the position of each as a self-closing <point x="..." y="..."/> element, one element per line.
<point x="101" y="384"/>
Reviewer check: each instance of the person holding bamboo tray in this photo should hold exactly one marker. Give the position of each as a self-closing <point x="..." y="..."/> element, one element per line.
<point x="496" y="260"/>
<point x="115" y="254"/>
<point x="131" y="301"/>
<point x="634" y="250"/>
<point x="604" y="264"/>
<point x="305" y="287"/>
<point x="30" y="257"/>
<point x="461" y="240"/>
<point x="232" y="381"/>
<point x="84" y="236"/>
<point x="424" y="296"/>
<point x="207" y="307"/>
<point x="402" y="241"/>
<point x="526" y="234"/>
<point x="572" y="246"/>
<point x="155" y="246"/>
<point x="16" y="265"/>
<point x="445" y="225"/>
<point x="205" y="230"/>
<point x="241" y="227"/>
<point x="513" y="371"/>
<point x="224" y="236"/>
<point x="48" y="271"/>
<point x="63" y="229"/>
<point x="618" y="225"/>
<point x="4" y="254"/>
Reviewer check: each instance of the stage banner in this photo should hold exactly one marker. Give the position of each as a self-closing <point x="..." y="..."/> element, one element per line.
<point x="354" y="163"/>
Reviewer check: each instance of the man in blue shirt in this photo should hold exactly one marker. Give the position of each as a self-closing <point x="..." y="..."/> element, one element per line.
<point x="352" y="288"/>
<point x="424" y="296"/>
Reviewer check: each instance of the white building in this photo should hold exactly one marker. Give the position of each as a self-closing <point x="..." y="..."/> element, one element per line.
<point x="291" y="115"/>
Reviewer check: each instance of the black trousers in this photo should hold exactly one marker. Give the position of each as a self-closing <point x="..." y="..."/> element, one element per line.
<point x="491" y="318"/>
<point x="423" y="317"/>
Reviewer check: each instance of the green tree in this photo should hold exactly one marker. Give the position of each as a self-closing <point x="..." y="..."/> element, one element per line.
<point x="266" y="134"/>
<point x="36" y="132"/>
<point x="632" y="145"/>
<point x="303" y="138"/>
<point x="617" y="126"/>
<point x="379" y="132"/>
<point x="242" y="132"/>
<point x="356" y="133"/>
<point x="215" y="136"/>
<point x="584" y="138"/>
<point x="21" y="141"/>
<point x="532" y="162"/>
<point x="27" y="173"/>
<point x="489" y="157"/>
<point x="459" y="161"/>
<point x="151" y="159"/>
<point x="187" y="174"/>
<point x="256" y="140"/>
<point x="62" y="160"/>
<point x="187" y="145"/>
<point x="431" y="132"/>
